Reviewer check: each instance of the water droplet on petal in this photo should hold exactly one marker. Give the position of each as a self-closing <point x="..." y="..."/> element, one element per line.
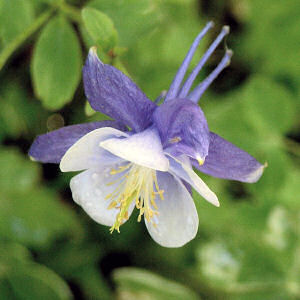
<point x="95" y="176"/>
<point x="89" y="204"/>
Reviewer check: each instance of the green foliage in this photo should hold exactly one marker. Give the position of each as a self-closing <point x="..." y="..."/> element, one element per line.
<point x="130" y="23"/>
<point x="141" y="284"/>
<point x="30" y="213"/>
<point x="21" y="278"/>
<point x="246" y="249"/>
<point x="15" y="16"/>
<point x="100" y="27"/>
<point x="56" y="64"/>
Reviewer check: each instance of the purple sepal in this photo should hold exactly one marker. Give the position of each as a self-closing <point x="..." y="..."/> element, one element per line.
<point x="183" y="128"/>
<point x="51" y="147"/>
<point x="114" y="94"/>
<point x="187" y="186"/>
<point x="225" y="160"/>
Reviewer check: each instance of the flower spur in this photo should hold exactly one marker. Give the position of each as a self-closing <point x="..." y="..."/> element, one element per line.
<point x="149" y="167"/>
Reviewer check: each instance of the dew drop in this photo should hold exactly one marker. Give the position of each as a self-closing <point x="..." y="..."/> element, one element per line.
<point x="95" y="176"/>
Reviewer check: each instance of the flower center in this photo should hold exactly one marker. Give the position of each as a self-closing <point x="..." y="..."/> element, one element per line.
<point x="138" y="184"/>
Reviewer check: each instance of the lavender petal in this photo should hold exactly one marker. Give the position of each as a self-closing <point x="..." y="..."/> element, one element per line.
<point x="225" y="160"/>
<point x="50" y="147"/>
<point x="114" y="94"/>
<point x="182" y="128"/>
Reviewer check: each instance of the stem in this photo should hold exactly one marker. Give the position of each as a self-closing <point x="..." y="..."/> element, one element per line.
<point x="20" y="39"/>
<point x="72" y="12"/>
<point x="292" y="146"/>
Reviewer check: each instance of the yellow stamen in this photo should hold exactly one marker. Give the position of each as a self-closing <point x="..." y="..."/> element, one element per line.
<point x="200" y="161"/>
<point x="140" y="185"/>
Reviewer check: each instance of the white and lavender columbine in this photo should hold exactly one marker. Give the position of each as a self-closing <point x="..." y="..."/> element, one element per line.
<point x="150" y="166"/>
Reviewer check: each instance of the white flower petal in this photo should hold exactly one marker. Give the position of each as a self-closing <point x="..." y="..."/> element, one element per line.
<point x="89" y="190"/>
<point x="183" y="169"/>
<point x="86" y="152"/>
<point x="177" y="221"/>
<point x="143" y="148"/>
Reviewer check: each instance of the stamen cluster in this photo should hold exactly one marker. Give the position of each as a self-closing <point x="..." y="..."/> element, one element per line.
<point x="138" y="184"/>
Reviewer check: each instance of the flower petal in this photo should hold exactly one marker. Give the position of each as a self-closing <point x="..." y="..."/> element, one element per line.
<point x="177" y="221"/>
<point x="114" y="94"/>
<point x="183" y="128"/>
<point x="86" y="152"/>
<point x="183" y="170"/>
<point x="50" y="147"/>
<point x="225" y="160"/>
<point x="142" y="148"/>
<point x="89" y="190"/>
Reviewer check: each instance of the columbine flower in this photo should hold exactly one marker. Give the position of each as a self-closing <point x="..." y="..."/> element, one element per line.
<point x="149" y="167"/>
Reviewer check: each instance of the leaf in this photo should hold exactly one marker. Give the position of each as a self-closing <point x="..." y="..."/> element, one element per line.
<point x="15" y="17"/>
<point x="268" y="105"/>
<point x="266" y="46"/>
<point x="132" y="18"/>
<point x="37" y="282"/>
<point x="30" y="214"/>
<point x="18" y="174"/>
<point x="17" y="111"/>
<point x="100" y="27"/>
<point x="88" y="109"/>
<point x="56" y="64"/>
<point x="23" y="279"/>
<point x="142" y="284"/>
<point x="35" y="218"/>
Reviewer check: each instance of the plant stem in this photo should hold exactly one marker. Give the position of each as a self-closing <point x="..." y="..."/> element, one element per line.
<point x="292" y="146"/>
<point x="20" y="39"/>
<point x="72" y="12"/>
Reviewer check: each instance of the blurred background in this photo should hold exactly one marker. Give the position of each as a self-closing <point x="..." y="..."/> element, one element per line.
<point x="249" y="248"/>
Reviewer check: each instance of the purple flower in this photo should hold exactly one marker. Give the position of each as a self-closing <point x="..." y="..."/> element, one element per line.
<point x="149" y="167"/>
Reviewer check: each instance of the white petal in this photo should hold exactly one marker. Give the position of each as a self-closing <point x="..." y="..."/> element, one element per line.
<point x="89" y="190"/>
<point x="177" y="221"/>
<point x="183" y="169"/>
<point x="86" y="152"/>
<point x="142" y="148"/>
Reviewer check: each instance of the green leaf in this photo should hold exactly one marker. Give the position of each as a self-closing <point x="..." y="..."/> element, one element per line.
<point x="30" y="214"/>
<point x="88" y="109"/>
<point x="23" y="279"/>
<point x="265" y="43"/>
<point x="37" y="282"/>
<point x="36" y="218"/>
<point x="142" y="284"/>
<point x="132" y="18"/>
<point x="17" y="111"/>
<point x="56" y="64"/>
<point x="15" y="17"/>
<point x="268" y="105"/>
<point x="100" y="27"/>
<point x="18" y="174"/>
